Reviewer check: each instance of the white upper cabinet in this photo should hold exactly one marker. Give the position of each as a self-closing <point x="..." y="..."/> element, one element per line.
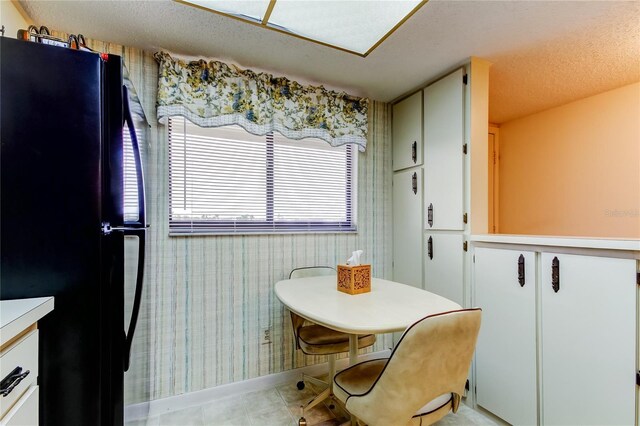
<point x="407" y="132"/>
<point x="443" y="152"/>
<point x="407" y="227"/>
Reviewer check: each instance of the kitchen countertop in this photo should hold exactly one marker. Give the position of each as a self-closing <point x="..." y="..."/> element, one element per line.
<point x="558" y="241"/>
<point x="18" y="314"/>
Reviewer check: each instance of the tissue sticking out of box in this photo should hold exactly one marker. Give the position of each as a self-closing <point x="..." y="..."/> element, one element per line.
<point x="354" y="260"/>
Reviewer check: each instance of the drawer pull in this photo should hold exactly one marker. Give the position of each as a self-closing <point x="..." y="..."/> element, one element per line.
<point x="430" y="248"/>
<point x="12" y="380"/>
<point x="521" y="271"/>
<point x="414" y="152"/>
<point x="555" y="274"/>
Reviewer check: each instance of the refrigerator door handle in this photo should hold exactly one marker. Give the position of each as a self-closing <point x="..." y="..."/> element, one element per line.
<point x="128" y="120"/>
<point x="108" y="229"/>
<point x="135" y="229"/>
<point x="128" y="337"/>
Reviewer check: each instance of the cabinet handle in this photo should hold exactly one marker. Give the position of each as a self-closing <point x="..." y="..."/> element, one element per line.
<point x="430" y="215"/>
<point x="430" y="247"/>
<point x="521" y="270"/>
<point x="555" y="274"/>
<point x="414" y="183"/>
<point x="12" y="380"/>
<point x="414" y="152"/>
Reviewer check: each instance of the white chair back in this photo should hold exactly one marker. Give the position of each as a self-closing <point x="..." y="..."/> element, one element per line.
<point x="312" y="271"/>
<point x="431" y="359"/>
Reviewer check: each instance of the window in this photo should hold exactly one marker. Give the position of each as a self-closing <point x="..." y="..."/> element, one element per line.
<point x="226" y="180"/>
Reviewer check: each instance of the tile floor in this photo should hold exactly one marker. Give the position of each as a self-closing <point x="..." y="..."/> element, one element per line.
<point x="279" y="406"/>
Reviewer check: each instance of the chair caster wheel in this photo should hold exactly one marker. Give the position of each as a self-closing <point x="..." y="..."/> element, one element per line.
<point x="302" y="422"/>
<point x="331" y="406"/>
<point x="300" y="385"/>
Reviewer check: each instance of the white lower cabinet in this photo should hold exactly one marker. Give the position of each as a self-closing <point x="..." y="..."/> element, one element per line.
<point x="506" y="348"/>
<point x="19" y="351"/>
<point x="25" y="412"/>
<point x="444" y="265"/>
<point x="588" y="334"/>
<point x="567" y="337"/>
<point x="19" y="373"/>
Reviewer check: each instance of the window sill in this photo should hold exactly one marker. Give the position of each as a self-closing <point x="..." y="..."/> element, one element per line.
<point x="260" y="233"/>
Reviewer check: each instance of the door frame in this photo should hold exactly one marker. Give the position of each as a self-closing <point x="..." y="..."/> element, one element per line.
<point x="493" y="187"/>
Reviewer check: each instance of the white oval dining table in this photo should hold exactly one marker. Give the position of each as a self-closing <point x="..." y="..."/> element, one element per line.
<point x="388" y="307"/>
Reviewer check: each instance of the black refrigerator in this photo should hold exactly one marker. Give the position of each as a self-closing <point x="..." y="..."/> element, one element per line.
<point x="62" y="199"/>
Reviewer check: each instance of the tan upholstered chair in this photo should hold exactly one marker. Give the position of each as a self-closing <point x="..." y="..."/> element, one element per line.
<point x="423" y="379"/>
<point x="314" y="339"/>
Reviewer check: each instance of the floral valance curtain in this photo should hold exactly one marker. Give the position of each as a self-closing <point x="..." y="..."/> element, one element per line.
<point x="212" y="94"/>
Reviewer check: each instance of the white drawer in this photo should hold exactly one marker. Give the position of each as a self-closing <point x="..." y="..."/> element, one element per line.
<point x="23" y="353"/>
<point x="25" y="411"/>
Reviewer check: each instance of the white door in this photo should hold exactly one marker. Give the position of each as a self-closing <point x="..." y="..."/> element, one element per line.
<point x="407" y="227"/>
<point x="444" y="265"/>
<point x="505" y="289"/>
<point x="443" y="155"/>
<point x="588" y="340"/>
<point x="407" y="132"/>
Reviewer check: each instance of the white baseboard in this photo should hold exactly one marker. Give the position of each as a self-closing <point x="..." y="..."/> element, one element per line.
<point x="178" y="402"/>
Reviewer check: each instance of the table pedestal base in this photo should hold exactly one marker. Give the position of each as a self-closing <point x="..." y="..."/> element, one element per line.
<point x="327" y="393"/>
<point x="353" y="349"/>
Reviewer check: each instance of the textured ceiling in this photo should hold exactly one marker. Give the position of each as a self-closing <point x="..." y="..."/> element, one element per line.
<point x="544" y="54"/>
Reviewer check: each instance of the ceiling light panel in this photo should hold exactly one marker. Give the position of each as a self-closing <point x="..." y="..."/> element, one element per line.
<point x="253" y="9"/>
<point x="355" y="25"/>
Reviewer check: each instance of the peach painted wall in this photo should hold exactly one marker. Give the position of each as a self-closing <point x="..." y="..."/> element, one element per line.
<point x="13" y="17"/>
<point x="574" y="170"/>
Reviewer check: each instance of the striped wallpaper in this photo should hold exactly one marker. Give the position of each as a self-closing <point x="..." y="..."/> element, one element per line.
<point x="207" y="298"/>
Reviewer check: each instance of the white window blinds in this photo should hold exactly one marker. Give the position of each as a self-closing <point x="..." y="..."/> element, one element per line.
<point x="226" y="180"/>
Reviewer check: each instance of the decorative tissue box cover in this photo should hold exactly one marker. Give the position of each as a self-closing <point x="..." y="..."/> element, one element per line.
<point x="354" y="279"/>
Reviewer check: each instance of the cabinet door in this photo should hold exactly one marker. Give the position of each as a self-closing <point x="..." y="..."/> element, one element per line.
<point x="588" y="341"/>
<point x="25" y="411"/>
<point x="444" y="265"/>
<point x="443" y="156"/>
<point x="22" y="353"/>
<point x="407" y="132"/>
<point x="506" y="348"/>
<point x="407" y="227"/>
